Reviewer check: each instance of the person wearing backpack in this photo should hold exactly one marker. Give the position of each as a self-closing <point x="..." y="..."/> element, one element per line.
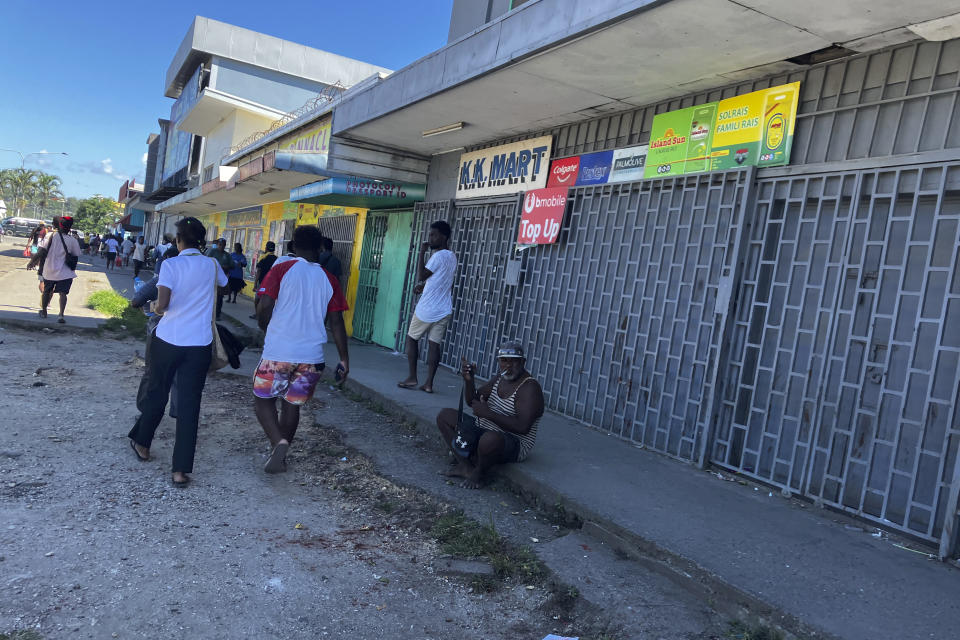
<point x="58" y="271"/>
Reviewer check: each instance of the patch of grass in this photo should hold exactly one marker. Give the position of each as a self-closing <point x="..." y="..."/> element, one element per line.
<point x="462" y="537"/>
<point x="122" y="317"/>
<point x="26" y="634"/>
<point x="738" y="630"/>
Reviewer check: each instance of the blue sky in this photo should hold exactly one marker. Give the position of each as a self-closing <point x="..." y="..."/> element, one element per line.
<point x="87" y="77"/>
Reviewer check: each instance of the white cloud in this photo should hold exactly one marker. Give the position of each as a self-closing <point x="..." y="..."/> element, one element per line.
<point x="106" y="168"/>
<point x="143" y="160"/>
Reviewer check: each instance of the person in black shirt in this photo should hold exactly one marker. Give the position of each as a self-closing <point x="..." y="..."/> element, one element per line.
<point x="263" y="265"/>
<point x="329" y="261"/>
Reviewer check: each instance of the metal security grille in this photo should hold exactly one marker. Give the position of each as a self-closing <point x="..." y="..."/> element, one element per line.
<point x="622" y="316"/>
<point x="425" y="214"/>
<point x="371" y="256"/>
<point x="483" y="240"/>
<point x="843" y="372"/>
<point x="341" y="229"/>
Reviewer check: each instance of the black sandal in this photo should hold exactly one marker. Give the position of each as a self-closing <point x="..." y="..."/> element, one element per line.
<point x="133" y="445"/>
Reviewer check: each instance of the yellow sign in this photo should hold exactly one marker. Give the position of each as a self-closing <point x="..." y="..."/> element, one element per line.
<point x="755" y="128"/>
<point x="313" y="140"/>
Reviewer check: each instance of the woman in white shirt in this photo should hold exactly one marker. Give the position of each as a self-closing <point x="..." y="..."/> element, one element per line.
<point x="57" y="276"/>
<point x="139" y="252"/>
<point x="180" y="346"/>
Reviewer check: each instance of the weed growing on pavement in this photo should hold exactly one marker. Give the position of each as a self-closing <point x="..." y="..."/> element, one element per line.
<point x="742" y="631"/>
<point x="460" y="536"/>
<point x="122" y="317"/>
<point x="27" y="634"/>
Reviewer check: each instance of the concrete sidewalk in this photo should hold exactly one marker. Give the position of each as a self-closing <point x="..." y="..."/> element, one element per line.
<point x="20" y="297"/>
<point x="738" y="545"/>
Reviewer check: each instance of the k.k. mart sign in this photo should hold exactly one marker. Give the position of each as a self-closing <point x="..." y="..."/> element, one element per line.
<point x="506" y="169"/>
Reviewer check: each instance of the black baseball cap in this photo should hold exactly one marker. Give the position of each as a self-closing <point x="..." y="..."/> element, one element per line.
<point x="510" y="349"/>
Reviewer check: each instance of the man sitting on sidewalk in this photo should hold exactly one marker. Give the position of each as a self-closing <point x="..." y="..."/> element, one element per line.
<point x="295" y="296"/>
<point x="507" y="411"/>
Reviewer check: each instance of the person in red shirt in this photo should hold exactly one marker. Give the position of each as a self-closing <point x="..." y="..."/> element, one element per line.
<point x="295" y="297"/>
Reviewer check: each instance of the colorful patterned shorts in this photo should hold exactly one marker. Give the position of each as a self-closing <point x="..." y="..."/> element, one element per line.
<point x="293" y="382"/>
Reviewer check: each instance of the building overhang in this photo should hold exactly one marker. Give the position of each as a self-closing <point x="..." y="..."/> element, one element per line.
<point x="213" y="106"/>
<point x="360" y="192"/>
<point x="259" y="181"/>
<point x="544" y="65"/>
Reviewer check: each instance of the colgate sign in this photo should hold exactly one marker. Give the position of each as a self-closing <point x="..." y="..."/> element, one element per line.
<point x="542" y="215"/>
<point x="563" y="172"/>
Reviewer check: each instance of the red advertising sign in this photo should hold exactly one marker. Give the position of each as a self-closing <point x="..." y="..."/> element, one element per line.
<point x="542" y="215"/>
<point x="563" y="172"/>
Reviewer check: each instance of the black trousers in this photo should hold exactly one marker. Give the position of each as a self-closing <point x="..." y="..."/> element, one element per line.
<point x="144" y="388"/>
<point x="137" y="265"/>
<point x="189" y="365"/>
<point x="219" y="303"/>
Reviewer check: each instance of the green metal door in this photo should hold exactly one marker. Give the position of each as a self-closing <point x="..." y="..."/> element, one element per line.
<point x="393" y="271"/>
<point x="371" y="257"/>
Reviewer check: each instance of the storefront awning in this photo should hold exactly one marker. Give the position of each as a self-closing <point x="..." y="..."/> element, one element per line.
<point x="268" y="178"/>
<point x="359" y="192"/>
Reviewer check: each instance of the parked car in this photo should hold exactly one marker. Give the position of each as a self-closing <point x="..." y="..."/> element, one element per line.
<point x="21" y="226"/>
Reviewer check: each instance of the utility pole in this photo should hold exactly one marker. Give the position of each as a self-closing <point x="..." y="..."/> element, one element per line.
<point x="23" y="157"/>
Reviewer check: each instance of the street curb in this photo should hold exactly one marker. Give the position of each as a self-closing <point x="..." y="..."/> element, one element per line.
<point x="30" y="325"/>
<point x="684" y="572"/>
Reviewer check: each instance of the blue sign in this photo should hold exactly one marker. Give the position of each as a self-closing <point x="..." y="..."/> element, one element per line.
<point x="594" y="168"/>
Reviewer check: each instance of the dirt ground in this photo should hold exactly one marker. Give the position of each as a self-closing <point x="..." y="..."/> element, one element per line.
<point x="96" y="544"/>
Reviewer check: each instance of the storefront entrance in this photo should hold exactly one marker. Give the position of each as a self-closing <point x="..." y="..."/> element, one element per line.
<point x="383" y="266"/>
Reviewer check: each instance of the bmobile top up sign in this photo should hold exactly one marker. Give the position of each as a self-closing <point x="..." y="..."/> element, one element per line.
<point x="542" y="217"/>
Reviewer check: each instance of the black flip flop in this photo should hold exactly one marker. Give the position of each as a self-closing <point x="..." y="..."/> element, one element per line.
<point x="133" y="445"/>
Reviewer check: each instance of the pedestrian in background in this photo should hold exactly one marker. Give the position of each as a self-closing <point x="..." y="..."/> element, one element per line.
<point x="235" y="276"/>
<point x="58" y="268"/>
<point x="180" y="347"/>
<point x="263" y="266"/>
<point x="139" y="251"/>
<point x="126" y="248"/>
<point x="219" y="253"/>
<point x="329" y="261"/>
<point x="111" y="248"/>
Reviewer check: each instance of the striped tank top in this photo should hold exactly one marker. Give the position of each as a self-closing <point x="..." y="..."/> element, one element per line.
<point x="507" y="407"/>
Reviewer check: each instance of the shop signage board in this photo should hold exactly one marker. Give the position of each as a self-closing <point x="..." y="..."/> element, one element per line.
<point x="628" y="164"/>
<point x="316" y="139"/>
<point x="505" y="169"/>
<point x="563" y="172"/>
<point x="752" y="129"/>
<point x="247" y="217"/>
<point x="542" y="216"/>
<point x="359" y="192"/>
<point x="290" y="210"/>
<point x="594" y="168"/>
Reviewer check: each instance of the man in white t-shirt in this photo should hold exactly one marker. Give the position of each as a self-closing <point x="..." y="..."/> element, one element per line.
<point x="57" y="275"/>
<point x="127" y="248"/>
<point x="111" y="248"/>
<point x="435" y="307"/>
<point x="296" y="296"/>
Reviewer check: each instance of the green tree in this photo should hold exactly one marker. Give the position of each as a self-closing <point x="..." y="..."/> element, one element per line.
<point x="47" y="190"/>
<point x="94" y="215"/>
<point x="18" y="187"/>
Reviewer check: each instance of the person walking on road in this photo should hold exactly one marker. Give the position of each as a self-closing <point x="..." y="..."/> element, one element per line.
<point x="263" y="266"/>
<point x="126" y="247"/>
<point x="296" y="296"/>
<point x="112" y="247"/>
<point x="139" y="255"/>
<point x="180" y="347"/>
<point x="219" y="253"/>
<point x="235" y="276"/>
<point x="435" y="307"/>
<point x="57" y="271"/>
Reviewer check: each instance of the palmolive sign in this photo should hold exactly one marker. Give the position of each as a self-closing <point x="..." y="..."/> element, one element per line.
<point x="542" y="217"/>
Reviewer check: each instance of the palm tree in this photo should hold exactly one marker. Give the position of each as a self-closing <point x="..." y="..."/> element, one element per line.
<point x="47" y="187"/>
<point x="20" y="186"/>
